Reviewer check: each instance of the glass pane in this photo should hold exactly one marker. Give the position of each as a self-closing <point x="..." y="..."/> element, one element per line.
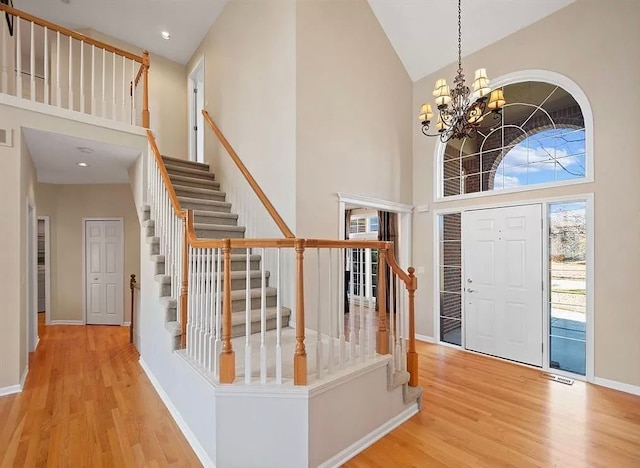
<point x="450" y="304"/>
<point x="568" y="291"/>
<point x="541" y="140"/>
<point x="451" y="331"/>
<point x="451" y="279"/>
<point x="450" y="227"/>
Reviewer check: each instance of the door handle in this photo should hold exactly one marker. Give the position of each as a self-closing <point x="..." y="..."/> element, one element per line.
<point x="471" y="290"/>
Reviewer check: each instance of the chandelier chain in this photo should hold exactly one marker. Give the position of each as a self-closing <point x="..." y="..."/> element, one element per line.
<point x="459" y="35"/>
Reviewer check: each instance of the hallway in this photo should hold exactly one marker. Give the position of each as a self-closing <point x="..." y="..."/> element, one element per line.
<point x="87" y="403"/>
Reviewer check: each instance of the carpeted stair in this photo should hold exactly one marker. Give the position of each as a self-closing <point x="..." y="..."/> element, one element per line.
<point x="197" y="190"/>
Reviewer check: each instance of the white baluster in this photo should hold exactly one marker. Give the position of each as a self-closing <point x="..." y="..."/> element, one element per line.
<point x="82" y="76"/>
<point x="263" y="320"/>
<point x="113" y="87"/>
<point x="18" y="37"/>
<point x="191" y="304"/>
<point x="104" y="84"/>
<point x="5" y="62"/>
<point x="133" y="92"/>
<point x="32" y="64"/>
<point x="340" y="312"/>
<point x="278" y="323"/>
<point x="352" y="332"/>
<point x="247" y="326"/>
<point x="58" y="84"/>
<point x="208" y="341"/>
<point x="352" y="307"/>
<point x="46" y="66"/>
<point x="330" y="312"/>
<point x="218" y="310"/>
<point x="392" y="325"/>
<point x="318" y="317"/>
<point x="70" y="101"/>
<point x="364" y="335"/>
<point x="93" y="79"/>
<point x="124" y="89"/>
<point x="201" y="299"/>
<point x="398" y="317"/>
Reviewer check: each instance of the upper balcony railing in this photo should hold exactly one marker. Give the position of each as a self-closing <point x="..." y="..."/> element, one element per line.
<point x="49" y="64"/>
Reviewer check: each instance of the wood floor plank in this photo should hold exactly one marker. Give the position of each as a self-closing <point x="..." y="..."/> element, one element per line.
<point x="87" y="403"/>
<point x="482" y="412"/>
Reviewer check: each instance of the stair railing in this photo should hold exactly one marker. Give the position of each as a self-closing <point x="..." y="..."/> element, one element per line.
<point x="170" y="229"/>
<point x="203" y="267"/>
<point x="69" y="70"/>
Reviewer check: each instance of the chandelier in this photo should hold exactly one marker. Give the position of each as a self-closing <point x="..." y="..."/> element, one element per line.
<point x="461" y="112"/>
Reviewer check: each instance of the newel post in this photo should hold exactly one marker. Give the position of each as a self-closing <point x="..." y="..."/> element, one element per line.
<point x="145" y="90"/>
<point x="412" y="355"/>
<point x="227" y="356"/>
<point x="383" y="333"/>
<point x="184" y="291"/>
<point x="300" y="357"/>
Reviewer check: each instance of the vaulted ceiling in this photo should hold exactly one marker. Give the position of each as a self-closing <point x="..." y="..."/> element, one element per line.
<point x="423" y="32"/>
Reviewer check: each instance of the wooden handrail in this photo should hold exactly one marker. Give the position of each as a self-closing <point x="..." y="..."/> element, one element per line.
<point x="68" y="32"/>
<point x="180" y="213"/>
<point x="247" y="175"/>
<point x="393" y="264"/>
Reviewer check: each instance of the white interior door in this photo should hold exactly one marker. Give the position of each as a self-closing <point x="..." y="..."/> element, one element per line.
<point x="196" y="120"/>
<point x="104" y="271"/>
<point x="502" y="249"/>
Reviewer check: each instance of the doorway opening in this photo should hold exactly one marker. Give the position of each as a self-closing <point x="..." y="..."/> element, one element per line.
<point x="196" y="119"/>
<point x="44" y="270"/>
<point x="32" y="275"/>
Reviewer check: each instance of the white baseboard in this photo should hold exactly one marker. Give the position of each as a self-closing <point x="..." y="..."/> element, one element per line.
<point x="126" y="324"/>
<point x="177" y="417"/>
<point x="426" y="339"/>
<point x="67" y="322"/>
<point x="623" y="387"/>
<point x="375" y="435"/>
<point x="11" y="389"/>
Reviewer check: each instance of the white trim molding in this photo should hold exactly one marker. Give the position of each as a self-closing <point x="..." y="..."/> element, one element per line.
<point x="47" y="267"/>
<point x="426" y="338"/>
<point x="12" y="389"/>
<point x="177" y="417"/>
<point x="126" y="324"/>
<point x="620" y="386"/>
<point x="362" y="201"/>
<point x="67" y="322"/>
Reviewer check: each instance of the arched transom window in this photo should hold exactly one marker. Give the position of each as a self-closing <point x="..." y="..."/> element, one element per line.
<point x="541" y="141"/>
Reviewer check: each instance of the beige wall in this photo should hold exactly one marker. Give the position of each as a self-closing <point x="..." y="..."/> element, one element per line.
<point x="250" y="91"/>
<point x="66" y="206"/>
<point x="586" y="42"/>
<point x="353" y="113"/>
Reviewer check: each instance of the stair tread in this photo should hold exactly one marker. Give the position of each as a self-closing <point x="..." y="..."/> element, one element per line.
<point x="204" y="201"/>
<point x="182" y="178"/>
<point x="201" y="190"/>
<point x="214" y="214"/>
<point x="218" y="227"/>
<point x="180" y="170"/>
<point x="271" y="312"/>
<point x="204" y="166"/>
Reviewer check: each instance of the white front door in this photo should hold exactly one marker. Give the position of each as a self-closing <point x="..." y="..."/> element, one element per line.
<point x="502" y="249"/>
<point x="104" y="272"/>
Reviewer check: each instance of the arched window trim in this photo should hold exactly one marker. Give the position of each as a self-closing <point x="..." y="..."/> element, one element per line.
<point x="544" y="76"/>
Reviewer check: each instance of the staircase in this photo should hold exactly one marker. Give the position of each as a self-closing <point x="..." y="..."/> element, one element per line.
<point x="198" y="190"/>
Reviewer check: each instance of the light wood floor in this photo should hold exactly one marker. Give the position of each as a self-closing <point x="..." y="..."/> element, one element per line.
<point x="87" y="403"/>
<point x="482" y="412"/>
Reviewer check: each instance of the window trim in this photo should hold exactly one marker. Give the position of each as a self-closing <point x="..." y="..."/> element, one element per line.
<point x="546" y="76"/>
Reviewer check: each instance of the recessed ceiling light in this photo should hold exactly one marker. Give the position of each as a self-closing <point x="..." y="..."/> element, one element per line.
<point x="165" y="35"/>
<point x="85" y="150"/>
<point x="83" y="164"/>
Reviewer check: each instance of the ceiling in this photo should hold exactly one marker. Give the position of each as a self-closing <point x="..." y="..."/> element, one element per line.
<point x="138" y="22"/>
<point x="424" y="33"/>
<point x="56" y="159"/>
